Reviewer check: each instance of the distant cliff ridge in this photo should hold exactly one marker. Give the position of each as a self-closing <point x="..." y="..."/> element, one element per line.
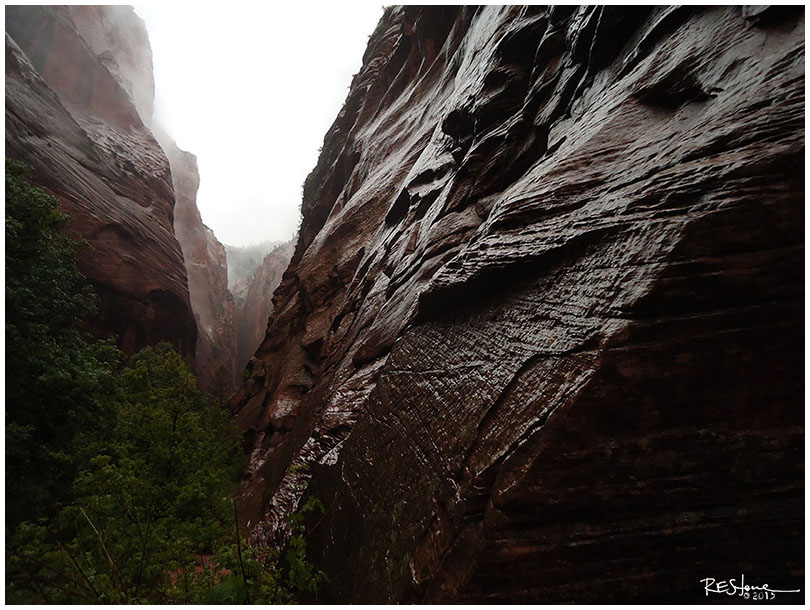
<point x="541" y="336"/>
<point x="206" y="266"/>
<point x="254" y="297"/>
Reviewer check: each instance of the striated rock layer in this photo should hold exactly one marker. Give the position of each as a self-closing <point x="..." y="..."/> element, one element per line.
<point x="75" y="124"/>
<point x="119" y="39"/>
<point x="541" y="336"/>
<point x="98" y="60"/>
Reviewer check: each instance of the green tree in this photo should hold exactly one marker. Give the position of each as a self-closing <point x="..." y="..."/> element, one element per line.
<point x="58" y="385"/>
<point x="221" y="387"/>
<point x="149" y="507"/>
<point x="262" y="576"/>
<point x="119" y="482"/>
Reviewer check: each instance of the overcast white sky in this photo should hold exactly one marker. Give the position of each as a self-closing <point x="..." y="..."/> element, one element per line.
<point x="251" y="90"/>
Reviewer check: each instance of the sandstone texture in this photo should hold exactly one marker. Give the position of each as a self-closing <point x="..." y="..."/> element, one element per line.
<point x="71" y="119"/>
<point x="541" y="336"/>
<point x="119" y="38"/>
<point x="254" y="301"/>
<point x="130" y="191"/>
<point x="206" y="265"/>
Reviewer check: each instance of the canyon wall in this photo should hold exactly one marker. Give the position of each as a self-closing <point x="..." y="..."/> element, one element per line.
<point x="541" y="336"/>
<point x="206" y="265"/>
<point x="98" y="61"/>
<point x="244" y="260"/>
<point x="120" y="39"/>
<point x="72" y="121"/>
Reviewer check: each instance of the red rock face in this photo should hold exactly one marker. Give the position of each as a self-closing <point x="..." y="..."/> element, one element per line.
<point x="541" y="337"/>
<point x="254" y="302"/>
<point x="68" y="118"/>
<point x="119" y="38"/>
<point x="99" y="62"/>
<point x="204" y="256"/>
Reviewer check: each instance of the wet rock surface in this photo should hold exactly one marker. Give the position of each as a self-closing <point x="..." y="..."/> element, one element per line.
<point x="541" y="336"/>
<point x="206" y="265"/>
<point x="72" y="121"/>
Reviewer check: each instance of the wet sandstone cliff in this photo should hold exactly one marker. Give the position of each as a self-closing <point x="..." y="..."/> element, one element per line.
<point x="205" y="259"/>
<point x="119" y="38"/>
<point x="98" y="61"/>
<point x="75" y="124"/>
<point x="541" y="337"/>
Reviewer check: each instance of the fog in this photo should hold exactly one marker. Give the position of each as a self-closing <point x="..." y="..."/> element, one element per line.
<point x="244" y="260"/>
<point x="251" y="91"/>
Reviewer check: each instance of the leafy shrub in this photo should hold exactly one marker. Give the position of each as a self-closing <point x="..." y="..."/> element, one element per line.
<point x="119" y="482"/>
<point x="58" y="384"/>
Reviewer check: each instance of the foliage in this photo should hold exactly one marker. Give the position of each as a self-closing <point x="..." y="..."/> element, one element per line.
<point x="120" y="481"/>
<point x="262" y="576"/>
<point x="57" y="384"/>
<point x="152" y="521"/>
<point x="220" y="389"/>
<point x="151" y="501"/>
<point x="302" y="575"/>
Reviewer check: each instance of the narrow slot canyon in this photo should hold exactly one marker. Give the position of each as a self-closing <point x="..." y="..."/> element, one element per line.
<point x="538" y="336"/>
